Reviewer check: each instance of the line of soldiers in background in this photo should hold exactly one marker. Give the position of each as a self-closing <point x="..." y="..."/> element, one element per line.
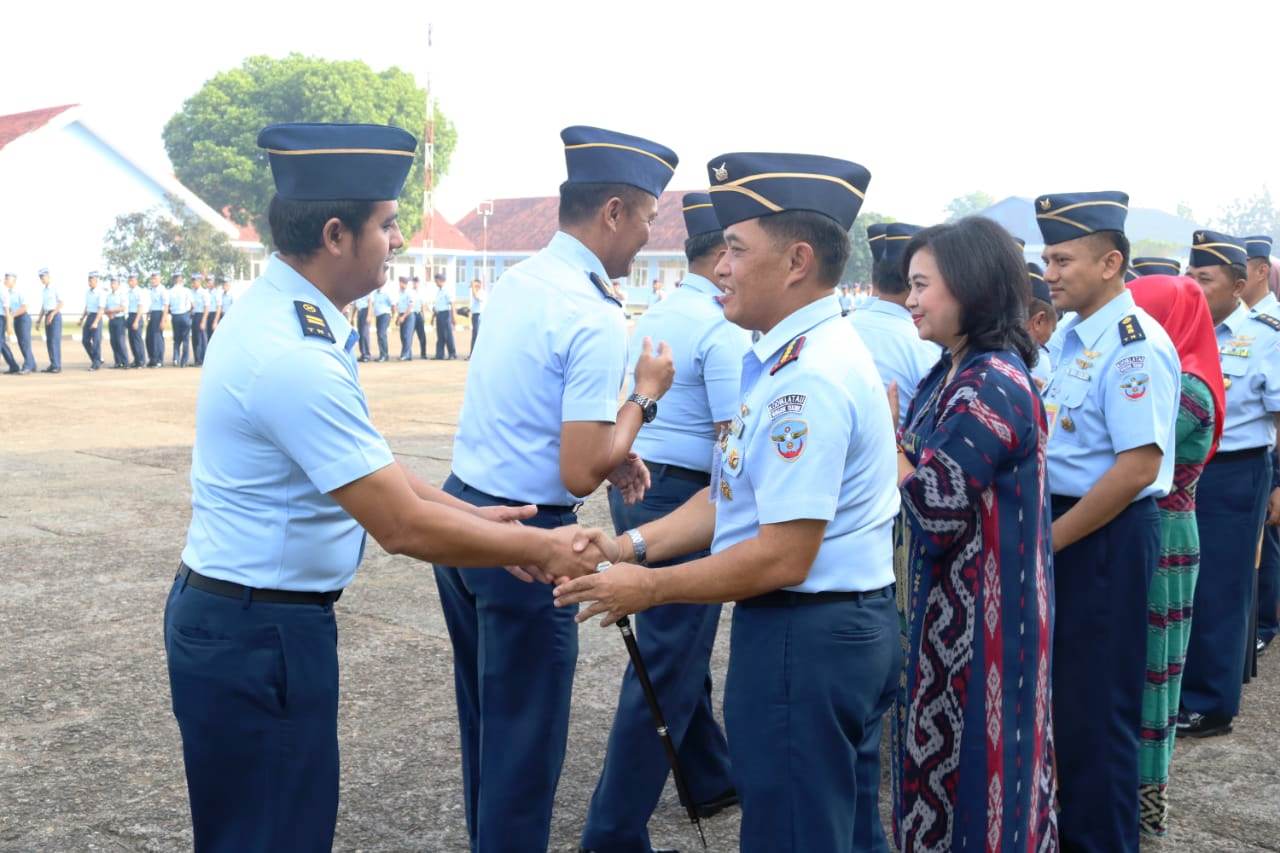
<point x="410" y="310"/>
<point x="136" y="319"/>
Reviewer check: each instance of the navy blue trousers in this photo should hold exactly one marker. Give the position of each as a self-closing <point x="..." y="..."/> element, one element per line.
<point x="1099" y="673"/>
<point x="406" y="336"/>
<point x="181" y="338"/>
<point x="1269" y="577"/>
<point x="807" y="689"/>
<point x="52" y="340"/>
<point x="22" y="331"/>
<point x="444" y="334"/>
<point x="362" y="329"/>
<point x="475" y="330"/>
<point x="1230" y="502"/>
<point x="675" y="642"/>
<point x="91" y="338"/>
<point x="135" y="339"/>
<point x="155" y="337"/>
<point x="255" y="693"/>
<point x="514" y="655"/>
<point x="5" y="352"/>
<point x="199" y="338"/>
<point x="420" y="330"/>
<point x="383" y="320"/>
<point x="119" y="341"/>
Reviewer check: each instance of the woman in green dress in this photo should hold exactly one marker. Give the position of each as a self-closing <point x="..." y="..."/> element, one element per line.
<point x="1178" y="304"/>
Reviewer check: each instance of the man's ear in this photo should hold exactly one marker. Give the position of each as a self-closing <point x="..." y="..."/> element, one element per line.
<point x="333" y="235"/>
<point x="612" y="212"/>
<point x="801" y="261"/>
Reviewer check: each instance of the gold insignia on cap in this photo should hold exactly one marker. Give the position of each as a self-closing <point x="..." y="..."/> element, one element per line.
<point x="1200" y="237"/>
<point x="1044" y="203"/>
<point x="722" y="171"/>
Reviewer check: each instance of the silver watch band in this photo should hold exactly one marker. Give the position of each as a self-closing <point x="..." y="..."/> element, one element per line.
<point x="638" y="545"/>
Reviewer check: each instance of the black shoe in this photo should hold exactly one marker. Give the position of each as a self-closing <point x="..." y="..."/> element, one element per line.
<point x="1202" y="725"/>
<point x="13" y="370"/>
<point x="362" y="359"/>
<point x="29" y="370"/>
<point x="1262" y="645"/>
<point x="93" y="366"/>
<point x="48" y="369"/>
<point x="713" y="807"/>
<point x="54" y="370"/>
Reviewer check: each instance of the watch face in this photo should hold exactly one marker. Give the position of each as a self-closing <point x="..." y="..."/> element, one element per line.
<point x="650" y="411"/>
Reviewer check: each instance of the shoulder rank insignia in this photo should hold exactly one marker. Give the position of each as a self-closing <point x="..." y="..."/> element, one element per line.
<point x="1268" y="320"/>
<point x="313" y="322"/>
<point x="1130" y="331"/>
<point x="604" y="289"/>
<point x="790" y="354"/>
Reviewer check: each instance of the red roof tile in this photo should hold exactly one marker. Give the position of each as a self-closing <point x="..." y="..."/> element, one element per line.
<point x="443" y="236"/>
<point x="19" y="124"/>
<point x="527" y="224"/>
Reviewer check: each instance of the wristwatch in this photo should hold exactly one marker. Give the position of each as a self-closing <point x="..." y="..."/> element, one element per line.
<point x="638" y="545"/>
<point x="647" y="406"/>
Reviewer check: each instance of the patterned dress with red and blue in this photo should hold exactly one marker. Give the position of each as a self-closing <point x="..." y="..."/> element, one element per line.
<point x="974" y="734"/>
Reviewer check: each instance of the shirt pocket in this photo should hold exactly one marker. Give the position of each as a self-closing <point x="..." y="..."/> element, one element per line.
<point x="1234" y="365"/>
<point x="1071" y="401"/>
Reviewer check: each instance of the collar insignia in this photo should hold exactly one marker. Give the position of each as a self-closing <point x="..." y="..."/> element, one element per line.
<point x="790" y="354"/>
<point x="313" y="322"/>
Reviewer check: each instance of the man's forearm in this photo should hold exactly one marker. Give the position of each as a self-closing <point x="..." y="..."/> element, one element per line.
<point x="438" y="533"/>
<point x="688" y="528"/>
<point x="428" y="492"/>
<point x="625" y="430"/>
<point x="744" y="571"/>
<point x="1100" y="505"/>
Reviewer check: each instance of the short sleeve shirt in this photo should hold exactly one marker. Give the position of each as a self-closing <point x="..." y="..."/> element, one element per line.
<point x="896" y="347"/>
<point x="1249" y="348"/>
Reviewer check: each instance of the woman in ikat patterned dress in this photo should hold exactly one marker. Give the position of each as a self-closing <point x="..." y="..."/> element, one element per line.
<point x="975" y="768"/>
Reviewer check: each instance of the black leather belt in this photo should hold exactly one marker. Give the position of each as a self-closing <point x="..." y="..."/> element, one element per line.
<point x="790" y="598"/>
<point x="227" y="589"/>
<point x="1238" y="455"/>
<point x="660" y="469"/>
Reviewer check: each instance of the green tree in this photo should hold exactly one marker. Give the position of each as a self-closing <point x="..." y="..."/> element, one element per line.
<point x="169" y="239"/>
<point x="968" y="204"/>
<point x="1255" y="214"/>
<point x="212" y="140"/>
<point x="1155" y="249"/>
<point x="857" y="270"/>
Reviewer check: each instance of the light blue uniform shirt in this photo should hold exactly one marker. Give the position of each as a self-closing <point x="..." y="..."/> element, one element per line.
<point x="180" y="299"/>
<point x="813" y="439"/>
<point x="1250" y="351"/>
<point x="362" y="303"/>
<point x="199" y="300"/>
<point x="15" y="300"/>
<point x="93" y="300"/>
<point x="137" y="300"/>
<point x="1042" y="373"/>
<point x="556" y="352"/>
<point x="443" y="302"/>
<point x="478" y="300"/>
<point x="862" y="300"/>
<point x="49" y="299"/>
<point x="846" y="302"/>
<point x="159" y="298"/>
<point x="115" y="299"/>
<point x="381" y="303"/>
<point x="281" y="421"/>
<point x="405" y="301"/>
<point x="1107" y="397"/>
<point x="1267" y="305"/>
<point x="225" y="300"/>
<point x="708" y="351"/>
<point x="895" y="346"/>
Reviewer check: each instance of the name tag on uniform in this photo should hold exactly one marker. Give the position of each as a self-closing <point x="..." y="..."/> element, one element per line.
<point x="738" y="427"/>
<point x="1078" y="374"/>
<point x="713" y="496"/>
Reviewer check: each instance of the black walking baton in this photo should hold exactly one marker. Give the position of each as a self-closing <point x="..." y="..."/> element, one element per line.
<point x="624" y="625"/>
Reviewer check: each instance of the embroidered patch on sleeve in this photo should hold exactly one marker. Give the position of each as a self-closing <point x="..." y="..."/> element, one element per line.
<point x="787" y="404"/>
<point x="789" y="437"/>
<point x="312" y="321"/>
<point x="1135" y="386"/>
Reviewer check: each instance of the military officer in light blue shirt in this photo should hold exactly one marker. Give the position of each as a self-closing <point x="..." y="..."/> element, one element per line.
<point x="1258" y="296"/>
<point x="1042" y="321"/>
<point x="226" y="300"/>
<point x="138" y="304"/>
<point x="407" y="317"/>
<point x="886" y="326"/>
<point x="1112" y="409"/>
<point x="114" y="308"/>
<point x="51" y="320"/>
<point x="362" y="326"/>
<point x="382" y="313"/>
<point x="801" y="531"/>
<point x="1231" y="497"/>
<point x="675" y="642"/>
<point x="180" y="305"/>
<point x="285" y="472"/>
<point x="10" y="302"/>
<point x="442" y="310"/>
<point x="199" y="313"/>
<point x="541" y="424"/>
<point x="157" y="312"/>
<point x="91" y="322"/>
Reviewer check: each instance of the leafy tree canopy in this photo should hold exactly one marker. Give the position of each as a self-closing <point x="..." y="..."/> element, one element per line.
<point x="170" y="240"/>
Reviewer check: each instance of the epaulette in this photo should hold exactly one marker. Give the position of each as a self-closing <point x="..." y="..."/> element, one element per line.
<point x="1131" y="331"/>
<point x="313" y="322"/>
<point x="790" y="354"/>
<point x="604" y="290"/>
<point x="1268" y="320"/>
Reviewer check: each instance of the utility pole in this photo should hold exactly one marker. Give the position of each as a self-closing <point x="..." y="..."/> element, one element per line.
<point x="428" y="174"/>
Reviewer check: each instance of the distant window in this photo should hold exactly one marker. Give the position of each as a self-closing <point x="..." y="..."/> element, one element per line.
<point x="257" y="269"/>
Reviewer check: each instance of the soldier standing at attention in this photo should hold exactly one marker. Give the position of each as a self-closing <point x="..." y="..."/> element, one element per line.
<point x="406" y="318"/>
<point x="362" y="325"/>
<point x="90" y="323"/>
<point x="180" y="304"/>
<point x="442" y="309"/>
<point x="51" y="320"/>
<point x="541" y="424"/>
<point x="1112" y="407"/>
<point x="382" y="306"/>
<point x="137" y="301"/>
<point x="116" y="303"/>
<point x="199" y="313"/>
<point x="478" y="298"/>
<point x="19" y="311"/>
<point x="157" y="311"/>
<point x="6" y="308"/>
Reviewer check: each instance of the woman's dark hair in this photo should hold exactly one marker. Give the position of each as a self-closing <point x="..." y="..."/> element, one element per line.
<point x="297" y="226"/>
<point x="985" y="272"/>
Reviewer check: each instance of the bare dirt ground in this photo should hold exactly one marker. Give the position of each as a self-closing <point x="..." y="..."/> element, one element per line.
<point x="94" y="503"/>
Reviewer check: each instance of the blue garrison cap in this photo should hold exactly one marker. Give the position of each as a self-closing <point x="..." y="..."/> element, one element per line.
<point x="699" y="215"/>
<point x="10" y="275"/>
<point x="1258" y="246"/>
<point x="896" y="239"/>
<point x="1156" y="266"/>
<point x="1069" y="216"/>
<point x="597" y="156"/>
<point x="92" y="274"/>
<point x="747" y="186"/>
<point x="1039" y="288"/>
<point x="199" y="276"/>
<point x="42" y="271"/>
<point x="338" y="162"/>
<point x="1213" y="248"/>
<point x="876" y="232"/>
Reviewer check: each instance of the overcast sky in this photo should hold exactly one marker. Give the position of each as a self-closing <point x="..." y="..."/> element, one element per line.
<point x="1169" y="101"/>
